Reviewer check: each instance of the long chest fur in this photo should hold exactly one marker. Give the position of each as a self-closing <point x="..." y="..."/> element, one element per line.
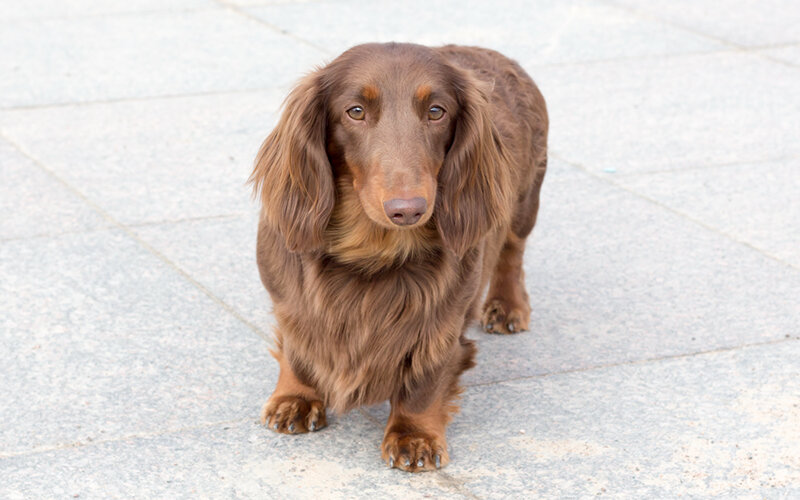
<point x="361" y="338"/>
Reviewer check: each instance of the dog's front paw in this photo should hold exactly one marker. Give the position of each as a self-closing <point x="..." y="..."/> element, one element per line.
<point x="414" y="451"/>
<point x="293" y="414"/>
<point x="500" y="316"/>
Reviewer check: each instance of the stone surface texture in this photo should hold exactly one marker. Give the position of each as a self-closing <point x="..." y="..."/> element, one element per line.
<point x="663" y="359"/>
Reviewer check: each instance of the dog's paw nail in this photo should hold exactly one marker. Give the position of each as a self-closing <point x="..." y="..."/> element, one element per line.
<point x="291" y="427"/>
<point x="313" y="426"/>
<point x="407" y="462"/>
<point x="489" y="327"/>
<point x="420" y="463"/>
<point x="391" y="463"/>
<point x="438" y="462"/>
<point x="511" y="327"/>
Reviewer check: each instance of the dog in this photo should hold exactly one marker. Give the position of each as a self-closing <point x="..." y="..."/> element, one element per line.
<point x="399" y="182"/>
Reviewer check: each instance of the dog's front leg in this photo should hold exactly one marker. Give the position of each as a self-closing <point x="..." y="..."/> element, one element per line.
<point x="415" y="441"/>
<point x="293" y="407"/>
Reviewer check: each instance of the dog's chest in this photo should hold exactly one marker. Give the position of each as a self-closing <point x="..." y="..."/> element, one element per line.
<point x="359" y="337"/>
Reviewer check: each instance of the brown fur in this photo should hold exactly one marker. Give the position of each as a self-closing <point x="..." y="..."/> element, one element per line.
<point x="368" y="310"/>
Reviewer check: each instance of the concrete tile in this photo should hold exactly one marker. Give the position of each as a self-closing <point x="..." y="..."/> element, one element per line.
<point x="33" y="203"/>
<point x="220" y="255"/>
<point x="741" y="22"/>
<point x="234" y="460"/>
<point x="258" y="3"/>
<point x="151" y="54"/>
<point x="675" y="112"/>
<point x="721" y="425"/>
<point x="558" y="170"/>
<point x="99" y="339"/>
<point x="534" y="32"/>
<point x="27" y="9"/>
<point x="613" y="278"/>
<point x="790" y="54"/>
<point x="156" y="160"/>
<point x="756" y="203"/>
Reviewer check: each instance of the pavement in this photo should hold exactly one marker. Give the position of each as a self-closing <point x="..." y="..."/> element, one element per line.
<point x="663" y="359"/>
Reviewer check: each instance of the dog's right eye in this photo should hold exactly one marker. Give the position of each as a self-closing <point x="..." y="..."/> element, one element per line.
<point x="356" y="113"/>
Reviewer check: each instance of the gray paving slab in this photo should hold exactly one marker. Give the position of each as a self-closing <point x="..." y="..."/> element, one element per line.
<point x="755" y="203"/>
<point x="155" y="160"/>
<point x="673" y="112"/>
<point x="534" y="32"/>
<point x="615" y="278"/>
<point x="100" y="339"/>
<point x="33" y="203"/>
<point x="662" y="361"/>
<point x="741" y="22"/>
<point x="110" y="57"/>
<point x="789" y="54"/>
<point x="722" y="425"/>
<point x="28" y="9"/>
<point x="719" y="424"/>
<point x="221" y="255"/>
<point x="231" y="460"/>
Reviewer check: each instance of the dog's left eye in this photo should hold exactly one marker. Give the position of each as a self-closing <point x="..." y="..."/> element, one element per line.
<point x="356" y="113"/>
<point x="435" y="113"/>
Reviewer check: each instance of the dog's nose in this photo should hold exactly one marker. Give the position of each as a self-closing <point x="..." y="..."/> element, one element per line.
<point x="405" y="212"/>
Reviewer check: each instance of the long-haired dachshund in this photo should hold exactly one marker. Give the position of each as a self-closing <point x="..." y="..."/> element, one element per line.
<point x="399" y="181"/>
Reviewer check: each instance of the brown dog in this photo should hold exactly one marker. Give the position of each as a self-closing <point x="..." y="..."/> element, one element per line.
<point x="399" y="180"/>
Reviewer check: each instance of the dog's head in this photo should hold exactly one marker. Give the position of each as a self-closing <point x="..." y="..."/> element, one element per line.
<point x="409" y="131"/>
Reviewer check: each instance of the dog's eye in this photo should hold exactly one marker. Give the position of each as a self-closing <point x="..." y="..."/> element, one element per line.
<point x="356" y="113"/>
<point x="435" y="113"/>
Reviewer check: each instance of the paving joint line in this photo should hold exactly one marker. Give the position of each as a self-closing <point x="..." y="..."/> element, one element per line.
<point x="119" y="100"/>
<point x="189" y="220"/>
<point x="607" y="180"/>
<point x="778" y="60"/>
<point x="39" y="236"/>
<point x="647" y="15"/>
<point x="449" y="481"/>
<point x="369" y="417"/>
<point x="747" y="49"/>
<point x="132" y="234"/>
<point x="637" y="362"/>
<point x="694" y="168"/>
<point x="100" y="229"/>
<point x="633" y="58"/>
<point x="130" y="437"/>
<point x="244" y="13"/>
<point x="101" y="15"/>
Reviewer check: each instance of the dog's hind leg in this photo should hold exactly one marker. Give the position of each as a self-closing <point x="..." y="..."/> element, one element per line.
<point x="507" y="308"/>
<point x="294" y="407"/>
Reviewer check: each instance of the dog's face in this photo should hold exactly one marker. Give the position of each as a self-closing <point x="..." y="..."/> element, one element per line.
<point x="390" y="126"/>
<point x="411" y="135"/>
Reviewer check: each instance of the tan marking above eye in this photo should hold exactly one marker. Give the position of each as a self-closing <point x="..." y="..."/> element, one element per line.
<point x="356" y="113"/>
<point x="435" y="113"/>
<point x="423" y="92"/>
<point x="370" y="92"/>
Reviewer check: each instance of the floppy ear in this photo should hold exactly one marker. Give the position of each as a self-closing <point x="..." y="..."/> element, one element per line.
<point x="474" y="185"/>
<point x="292" y="173"/>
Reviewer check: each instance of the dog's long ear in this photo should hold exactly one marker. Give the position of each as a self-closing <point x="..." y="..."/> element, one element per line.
<point x="474" y="186"/>
<point x="292" y="173"/>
